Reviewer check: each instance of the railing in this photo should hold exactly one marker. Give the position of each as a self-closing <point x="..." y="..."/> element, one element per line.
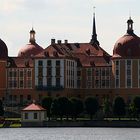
<point x="52" y="88"/>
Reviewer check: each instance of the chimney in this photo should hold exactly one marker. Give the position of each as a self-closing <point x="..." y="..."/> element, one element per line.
<point x="59" y="42"/>
<point x="52" y="41"/>
<point x="66" y="41"/>
<point x="88" y="51"/>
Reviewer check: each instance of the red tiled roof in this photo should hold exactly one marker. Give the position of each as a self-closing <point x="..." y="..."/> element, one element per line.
<point x="127" y="46"/>
<point x="20" y="62"/>
<point x="3" y="50"/>
<point x="30" y="50"/>
<point x="33" y="107"/>
<point x="85" y="52"/>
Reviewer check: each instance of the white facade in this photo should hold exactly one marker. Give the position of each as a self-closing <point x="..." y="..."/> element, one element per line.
<point x="71" y="73"/>
<point x="53" y="70"/>
<point x="62" y="72"/>
<point x="33" y="116"/>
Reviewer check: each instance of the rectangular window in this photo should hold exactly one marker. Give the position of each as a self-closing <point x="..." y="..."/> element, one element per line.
<point x="117" y="74"/>
<point x="29" y="83"/>
<point x="15" y="74"/>
<point x="107" y="72"/>
<point x="97" y="72"/>
<point x="107" y="84"/>
<point x="103" y="83"/>
<point x="40" y="63"/>
<point x="10" y="73"/>
<point x="89" y="72"/>
<point x="128" y="74"/>
<point x="29" y="73"/>
<point x="78" y="83"/>
<point x="49" y="63"/>
<point x="49" y="72"/>
<point x="40" y="72"/>
<point x="49" y="81"/>
<point x="57" y="82"/>
<point x="35" y="115"/>
<point x="89" y="78"/>
<point x="26" y="116"/>
<point x="103" y="72"/>
<point x="15" y="83"/>
<point x="58" y="71"/>
<point x="21" y="84"/>
<point x="21" y="74"/>
<point x="58" y="63"/>
<point x="40" y="81"/>
<point x="97" y="83"/>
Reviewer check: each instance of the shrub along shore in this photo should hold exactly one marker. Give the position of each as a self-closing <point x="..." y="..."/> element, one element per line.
<point x="70" y="112"/>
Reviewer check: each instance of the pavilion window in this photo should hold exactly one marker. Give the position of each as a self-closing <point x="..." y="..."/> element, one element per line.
<point x="128" y="73"/>
<point x="26" y="116"/>
<point x="35" y="115"/>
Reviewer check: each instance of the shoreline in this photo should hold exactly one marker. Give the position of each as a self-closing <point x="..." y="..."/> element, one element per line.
<point x="86" y="123"/>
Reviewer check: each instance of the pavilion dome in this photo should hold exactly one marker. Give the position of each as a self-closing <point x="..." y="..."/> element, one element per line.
<point x="128" y="46"/>
<point x="32" y="48"/>
<point x="3" y="50"/>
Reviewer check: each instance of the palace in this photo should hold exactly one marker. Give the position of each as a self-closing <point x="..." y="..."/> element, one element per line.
<point x="71" y="69"/>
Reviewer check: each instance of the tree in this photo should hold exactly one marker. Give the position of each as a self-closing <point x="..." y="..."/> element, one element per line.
<point x="132" y="111"/>
<point x="61" y="107"/>
<point x="1" y="109"/>
<point x="106" y="107"/>
<point x="55" y="108"/>
<point x="77" y="107"/>
<point x="64" y="107"/>
<point x="46" y="103"/>
<point x="136" y="103"/>
<point x="91" y="106"/>
<point x="119" y="107"/>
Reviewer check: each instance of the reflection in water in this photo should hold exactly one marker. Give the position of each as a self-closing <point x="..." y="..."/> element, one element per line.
<point x="70" y="134"/>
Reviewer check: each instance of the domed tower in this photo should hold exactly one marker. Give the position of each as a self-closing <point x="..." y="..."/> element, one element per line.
<point x="32" y="48"/>
<point x="3" y="50"/>
<point x="126" y="62"/>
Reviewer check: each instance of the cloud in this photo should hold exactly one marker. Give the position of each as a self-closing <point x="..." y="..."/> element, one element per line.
<point x="10" y="5"/>
<point x="109" y="1"/>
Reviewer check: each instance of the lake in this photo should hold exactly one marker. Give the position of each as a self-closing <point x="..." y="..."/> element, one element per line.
<point x="70" y="134"/>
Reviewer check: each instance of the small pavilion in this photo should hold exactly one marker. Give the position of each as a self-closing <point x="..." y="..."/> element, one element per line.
<point x="33" y="115"/>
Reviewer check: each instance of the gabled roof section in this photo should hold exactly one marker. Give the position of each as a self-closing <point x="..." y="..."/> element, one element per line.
<point x="33" y="107"/>
<point x="87" y="53"/>
<point x="15" y="62"/>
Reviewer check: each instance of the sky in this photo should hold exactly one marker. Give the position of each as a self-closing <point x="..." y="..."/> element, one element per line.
<point x="65" y="19"/>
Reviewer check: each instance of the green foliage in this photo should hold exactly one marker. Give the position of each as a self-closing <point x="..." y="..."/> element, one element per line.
<point x="61" y="107"/>
<point x="132" y="111"/>
<point x="119" y="107"/>
<point x="91" y="106"/>
<point x="55" y="108"/>
<point x="64" y="106"/>
<point x="77" y="107"/>
<point x="46" y="103"/>
<point x="106" y="107"/>
<point x="1" y="109"/>
<point x="136" y="103"/>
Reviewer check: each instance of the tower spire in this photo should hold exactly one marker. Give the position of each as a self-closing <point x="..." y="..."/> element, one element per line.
<point x="94" y="34"/>
<point x="130" y="26"/>
<point x="32" y="36"/>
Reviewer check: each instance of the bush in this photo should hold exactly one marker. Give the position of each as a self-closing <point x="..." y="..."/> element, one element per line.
<point x="119" y="107"/>
<point x="91" y="106"/>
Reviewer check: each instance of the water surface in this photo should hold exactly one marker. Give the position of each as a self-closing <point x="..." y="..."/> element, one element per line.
<point x="70" y="134"/>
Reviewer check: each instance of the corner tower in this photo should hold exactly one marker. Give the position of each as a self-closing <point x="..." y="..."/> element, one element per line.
<point x="94" y="40"/>
<point x="32" y="48"/>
